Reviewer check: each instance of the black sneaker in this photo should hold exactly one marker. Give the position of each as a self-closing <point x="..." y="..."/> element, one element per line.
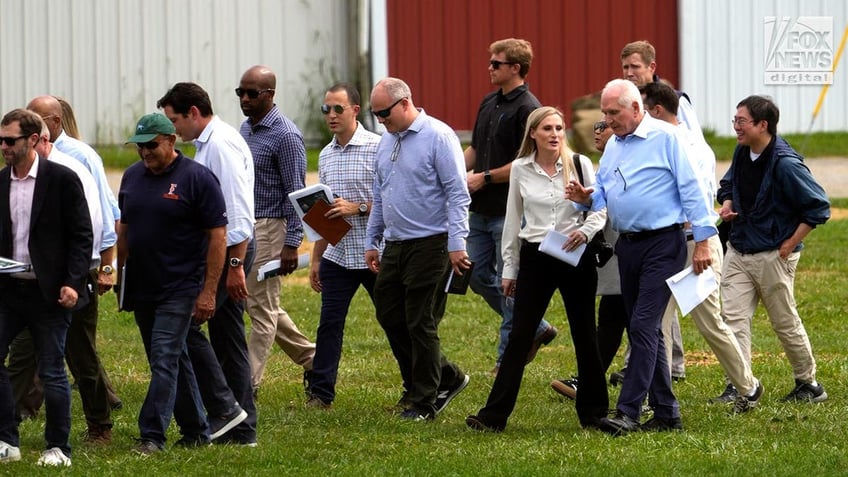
<point x="746" y="403"/>
<point x="218" y="426"/>
<point x="189" y="442"/>
<point x="728" y="396"/>
<point x="145" y="447"/>
<point x="806" y="392"/>
<point x="617" y="377"/>
<point x="445" y="396"/>
<point x="619" y="425"/>
<point x="415" y="415"/>
<point x="566" y="387"/>
<point x="659" y="424"/>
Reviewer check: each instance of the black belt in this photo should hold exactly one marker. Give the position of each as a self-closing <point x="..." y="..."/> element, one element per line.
<point x="637" y="236"/>
<point x="22" y="282"/>
<point x="416" y="240"/>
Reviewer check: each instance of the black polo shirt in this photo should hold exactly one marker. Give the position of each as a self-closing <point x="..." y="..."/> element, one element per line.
<point x="167" y="217"/>
<point x="496" y="139"/>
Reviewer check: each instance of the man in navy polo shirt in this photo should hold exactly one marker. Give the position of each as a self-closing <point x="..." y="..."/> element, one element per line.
<point x="172" y="241"/>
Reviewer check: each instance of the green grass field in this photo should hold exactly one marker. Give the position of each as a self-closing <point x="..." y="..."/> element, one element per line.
<point x="359" y="437"/>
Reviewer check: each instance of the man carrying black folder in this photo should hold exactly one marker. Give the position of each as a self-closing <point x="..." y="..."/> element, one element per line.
<point x="346" y="165"/>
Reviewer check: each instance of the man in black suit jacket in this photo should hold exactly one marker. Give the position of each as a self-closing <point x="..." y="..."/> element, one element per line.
<point x="44" y="222"/>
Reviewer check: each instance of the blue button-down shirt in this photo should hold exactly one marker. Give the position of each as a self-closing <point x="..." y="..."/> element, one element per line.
<point x="646" y="182"/>
<point x="420" y="187"/>
<point x="91" y="160"/>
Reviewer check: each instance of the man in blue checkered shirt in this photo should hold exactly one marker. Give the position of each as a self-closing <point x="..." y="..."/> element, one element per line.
<point x="346" y="165"/>
<point x="279" y="157"/>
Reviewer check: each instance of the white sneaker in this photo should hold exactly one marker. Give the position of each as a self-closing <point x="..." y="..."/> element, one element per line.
<point x="54" y="456"/>
<point x="9" y="453"/>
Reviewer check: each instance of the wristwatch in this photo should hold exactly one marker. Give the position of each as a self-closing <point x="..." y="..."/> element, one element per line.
<point x="363" y="209"/>
<point x="235" y="262"/>
<point x="487" y="176"/>
<point x="107" y="269"/>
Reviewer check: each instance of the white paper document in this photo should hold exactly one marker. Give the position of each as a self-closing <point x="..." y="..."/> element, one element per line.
<point x="302" y="201"/>
<point x="552" y="245"/>
<point x="7" y="265"/>
<point x="690" y="290"/>
<point x="272" y="268"/>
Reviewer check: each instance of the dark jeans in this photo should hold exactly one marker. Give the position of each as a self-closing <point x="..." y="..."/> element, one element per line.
<point x="538" y="277"/>
<point x="643" y="266"/>
<point x="23" y="306"/>
<point x="164" y="327"/>
<point x="82" y="359"/>
<point x="338" y="286"/>
<point x="410" y="298"/>
<point x="612" y="322"/>
<point x="221" y="363"/>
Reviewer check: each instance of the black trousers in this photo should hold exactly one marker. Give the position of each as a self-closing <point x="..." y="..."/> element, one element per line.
<point x="538" y="276"/>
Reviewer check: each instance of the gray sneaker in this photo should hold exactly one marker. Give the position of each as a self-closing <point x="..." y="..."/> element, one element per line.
<point x="806" y="392"/>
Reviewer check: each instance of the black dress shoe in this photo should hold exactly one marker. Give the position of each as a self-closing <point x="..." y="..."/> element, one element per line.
<point x="474" y="422"/>
<point x="659" y="424"/>
<point x="619" y="425"/>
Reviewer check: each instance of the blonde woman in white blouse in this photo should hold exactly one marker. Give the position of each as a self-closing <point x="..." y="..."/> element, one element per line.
<point x="535" y="205"/>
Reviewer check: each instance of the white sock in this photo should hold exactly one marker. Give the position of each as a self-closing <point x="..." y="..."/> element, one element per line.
<point x="756" y="385"/>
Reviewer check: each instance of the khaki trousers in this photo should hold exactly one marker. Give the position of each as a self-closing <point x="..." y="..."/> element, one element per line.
<point x="718" y="335"/>
<point x="750" y="278"/>
<point x="269" y="321"/>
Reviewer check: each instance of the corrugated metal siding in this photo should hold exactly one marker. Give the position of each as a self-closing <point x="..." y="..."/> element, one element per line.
<point x="113" y="59"/>
<point x="722" y="62"/>
<point x="440" y="47"/>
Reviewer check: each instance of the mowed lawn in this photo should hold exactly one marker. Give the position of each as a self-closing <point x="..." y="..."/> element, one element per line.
<point x="361" y="437"/>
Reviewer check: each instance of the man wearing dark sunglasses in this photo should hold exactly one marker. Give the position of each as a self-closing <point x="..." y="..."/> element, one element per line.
<point x="494" y="143"/>
<point x="420" y="209"/>
<point x="44" y="222"/>
<point x="221" y="361"/>
<point x="171" y="249"/>
<point x="279" y="158"/>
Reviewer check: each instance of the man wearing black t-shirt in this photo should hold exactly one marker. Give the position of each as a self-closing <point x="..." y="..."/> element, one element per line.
<point x="494" y="144"/>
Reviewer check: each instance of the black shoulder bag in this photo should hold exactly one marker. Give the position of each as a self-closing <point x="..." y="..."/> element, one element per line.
<point x="598" y="246"/>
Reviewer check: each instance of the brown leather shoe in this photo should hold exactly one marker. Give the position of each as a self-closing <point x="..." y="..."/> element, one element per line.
<point x="544" y="339"/>
<point x="98" y="435"/>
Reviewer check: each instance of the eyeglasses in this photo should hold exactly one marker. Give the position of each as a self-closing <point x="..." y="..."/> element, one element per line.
<point x="336" y="108"/>
<point x="384" y="113"/>
<point x="497" y="64"/>
<point x="10" y="141"/>
<point x="252" y="93"/>
<point x="741" y="122"/>
<point x="600" y="126"/>
<point x="151" y="145"/>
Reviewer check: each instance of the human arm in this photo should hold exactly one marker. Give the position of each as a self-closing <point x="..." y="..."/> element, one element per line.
<point x="105" y="280"/>
<point x="318" y="249"/>
<point x="450" y="172"/>
<point x="236" y="282"/>
<point x="292" y="168"/>
<point x="204" y="306"/>
<point x="372" y="259"/>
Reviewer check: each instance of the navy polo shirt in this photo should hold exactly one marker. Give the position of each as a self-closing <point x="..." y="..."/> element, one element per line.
<point x="167" y="217"/>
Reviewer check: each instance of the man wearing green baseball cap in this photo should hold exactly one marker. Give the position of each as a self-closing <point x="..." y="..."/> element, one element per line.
<point x="171" y="247"/>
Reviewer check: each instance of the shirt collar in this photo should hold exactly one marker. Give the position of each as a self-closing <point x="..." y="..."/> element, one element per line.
<point x="33" y="171"/>
<point x="514" y="93"/>
<point x="204" y="136"/>
<point x="357" y="139"/>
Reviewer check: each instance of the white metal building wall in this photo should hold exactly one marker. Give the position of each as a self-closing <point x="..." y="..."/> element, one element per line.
<point x="722" y="57"/>
<point x="112" y="59"/>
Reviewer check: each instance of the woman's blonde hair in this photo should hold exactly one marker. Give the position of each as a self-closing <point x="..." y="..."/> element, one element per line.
<point x="528" y="144"/>
<point x="69" y="121"/>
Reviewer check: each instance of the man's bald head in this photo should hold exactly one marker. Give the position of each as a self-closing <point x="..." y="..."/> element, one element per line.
<point x="50" y="111"/>
<point x="260" y="75"/>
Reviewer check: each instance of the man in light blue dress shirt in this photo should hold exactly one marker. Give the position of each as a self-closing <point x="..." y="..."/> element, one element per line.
<point x="420" y="208"/>
<point x="650" y="189"/>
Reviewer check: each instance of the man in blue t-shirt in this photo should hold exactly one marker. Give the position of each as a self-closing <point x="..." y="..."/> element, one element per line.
<point x="171" y="246"/>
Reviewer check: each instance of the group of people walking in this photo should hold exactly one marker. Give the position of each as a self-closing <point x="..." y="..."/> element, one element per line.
<point x="182" y="243"/>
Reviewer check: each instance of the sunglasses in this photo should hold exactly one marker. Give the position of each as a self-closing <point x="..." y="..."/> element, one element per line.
<point x="336" y="108"/>
<point x="497" y="64"/>
<point x="600" y="126"/>
<point x="10" y="141"/>
<point x="151" y="145"/>
<point x="384" y="113"/>
<point x="252" y="93"/>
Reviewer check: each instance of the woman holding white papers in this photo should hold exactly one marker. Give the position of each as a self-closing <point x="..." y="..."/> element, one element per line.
<point x="536" y="206"/>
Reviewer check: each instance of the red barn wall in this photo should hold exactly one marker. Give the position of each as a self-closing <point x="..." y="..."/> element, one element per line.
<point x="440" y="47"/>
